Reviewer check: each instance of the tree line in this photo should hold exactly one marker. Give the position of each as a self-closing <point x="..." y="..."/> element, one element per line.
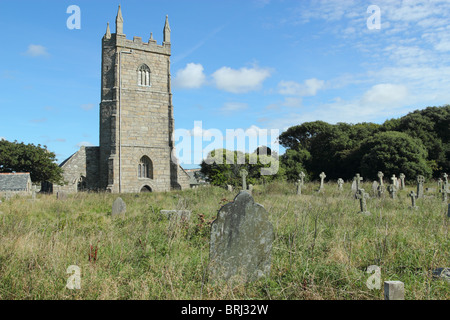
<point x="415" y="144"/>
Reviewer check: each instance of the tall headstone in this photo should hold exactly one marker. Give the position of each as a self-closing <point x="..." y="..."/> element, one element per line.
<point x="244" y="175"/>
<point x="402" y="181"/>
<point x="445" y="176"/>
<point x="241" y="241"/>
<point x="118" y="207"/>
<point x="439" y="182"/>
<point x="394" y="290"/>
<point x="420" y="181"/>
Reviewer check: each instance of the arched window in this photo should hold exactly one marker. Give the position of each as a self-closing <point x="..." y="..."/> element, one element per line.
<point x="145" y="168"/>
<point x="143" y="75"/>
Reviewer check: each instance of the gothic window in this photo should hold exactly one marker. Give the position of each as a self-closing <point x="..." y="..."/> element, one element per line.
<point x="144" y="75"/>
<point x="145" y="168"/>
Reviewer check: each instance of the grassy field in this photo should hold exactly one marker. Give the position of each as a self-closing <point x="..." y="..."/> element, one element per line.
<point x="322" y="246"/>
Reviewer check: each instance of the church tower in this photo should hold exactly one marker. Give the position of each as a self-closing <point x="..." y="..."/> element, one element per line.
<point x="136" y="114"/>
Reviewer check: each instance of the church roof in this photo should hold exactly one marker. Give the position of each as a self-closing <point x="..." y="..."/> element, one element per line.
<point x="14" y="181"/>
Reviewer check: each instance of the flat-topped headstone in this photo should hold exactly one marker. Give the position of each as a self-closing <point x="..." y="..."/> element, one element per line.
<point x="230" y="188"/>
<point x="241" y="241"/>
<point x="375" y="185"/>
<point x="394" y="290"/>
<point x="179" y="214"/>
<point x="119" y="206"/>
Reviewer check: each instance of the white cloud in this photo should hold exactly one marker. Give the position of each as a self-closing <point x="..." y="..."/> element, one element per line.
<point x="384" y="95"/>
<point x="191" y="77"/>
<point x="309" y="88"/>
<point x="240" y="81"/>
<point x="36" y="50"/>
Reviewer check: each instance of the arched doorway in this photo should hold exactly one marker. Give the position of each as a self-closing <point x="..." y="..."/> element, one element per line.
<point x="146" y="189"/>
<point x="81" y="184"/>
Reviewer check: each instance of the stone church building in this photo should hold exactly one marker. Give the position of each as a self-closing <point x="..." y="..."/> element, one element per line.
<point x="136" y="122"/>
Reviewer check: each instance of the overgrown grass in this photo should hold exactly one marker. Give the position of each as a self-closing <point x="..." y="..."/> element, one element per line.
<point x="322" y="246"/>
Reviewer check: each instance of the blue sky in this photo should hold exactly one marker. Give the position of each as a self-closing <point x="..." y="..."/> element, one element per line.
<point x="248" y="64"/>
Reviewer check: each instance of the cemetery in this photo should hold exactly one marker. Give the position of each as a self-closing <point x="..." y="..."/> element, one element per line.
<point x="215" y="243"/>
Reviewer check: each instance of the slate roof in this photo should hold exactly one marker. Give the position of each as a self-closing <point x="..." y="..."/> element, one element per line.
<point x="14" y="181"/>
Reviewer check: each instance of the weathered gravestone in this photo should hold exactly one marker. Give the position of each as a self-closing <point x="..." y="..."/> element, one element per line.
<point x="340" y="183"/>
<point x="394" y="290"/>
<point x="362" y="196"/>
<point x="244" y="175"/>
<point x="392" y="188"/>
<point x="322" y="178"/>
<point x="299" y="187"/>
<point x="444" y="195"/>
<point x="241" y="241"/>
<point x="445" y="176"/>
<point x="356" y="180"/>
<point x="302" y="176"/>
<point x="380" y="176"/>
<point x="402" y="181"/>
<point x="420" y="181"/>
<point x="118" y="207"/>
<point x="439" y="182"/>
<point x="412" y="194"/>
<point x="375" y="185"/>
<point x="230" y="188"/>
<point x="61" y="195"/>
<point x="250" y="189"/>
<point x="176" y="214"/>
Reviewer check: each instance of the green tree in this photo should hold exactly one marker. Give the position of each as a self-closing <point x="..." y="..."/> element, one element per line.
<point x="292" y="161"/>
<point x="393" y="153"/>
<point x="37" y="160"/>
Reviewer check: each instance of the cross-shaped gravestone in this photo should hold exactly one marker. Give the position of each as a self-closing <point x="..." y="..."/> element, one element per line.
<point x="402" y="181"/>
<point x="439" y="183"/>
<point x="444" y="194"/>
<point x="340" y="183"/>
<point x="358" y="179"/>
<point x="380" y="176"/>
<point x="362" y="196"/>
<point x="380" y="191"/>
<point x="322" y="177"/>
<point x="394" y="179"/>
<point x="299" y="187"/>
<point x="420" y="182"/>
<point x="413" y="195"/>
<point x="302" y="176"/>
<point x="244" y="175"/>
<point x="445" y="176"/>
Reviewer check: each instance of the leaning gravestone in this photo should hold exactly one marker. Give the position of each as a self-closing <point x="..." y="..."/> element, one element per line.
<point x="118" y="207"/>
<point x="241" y="241"/>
